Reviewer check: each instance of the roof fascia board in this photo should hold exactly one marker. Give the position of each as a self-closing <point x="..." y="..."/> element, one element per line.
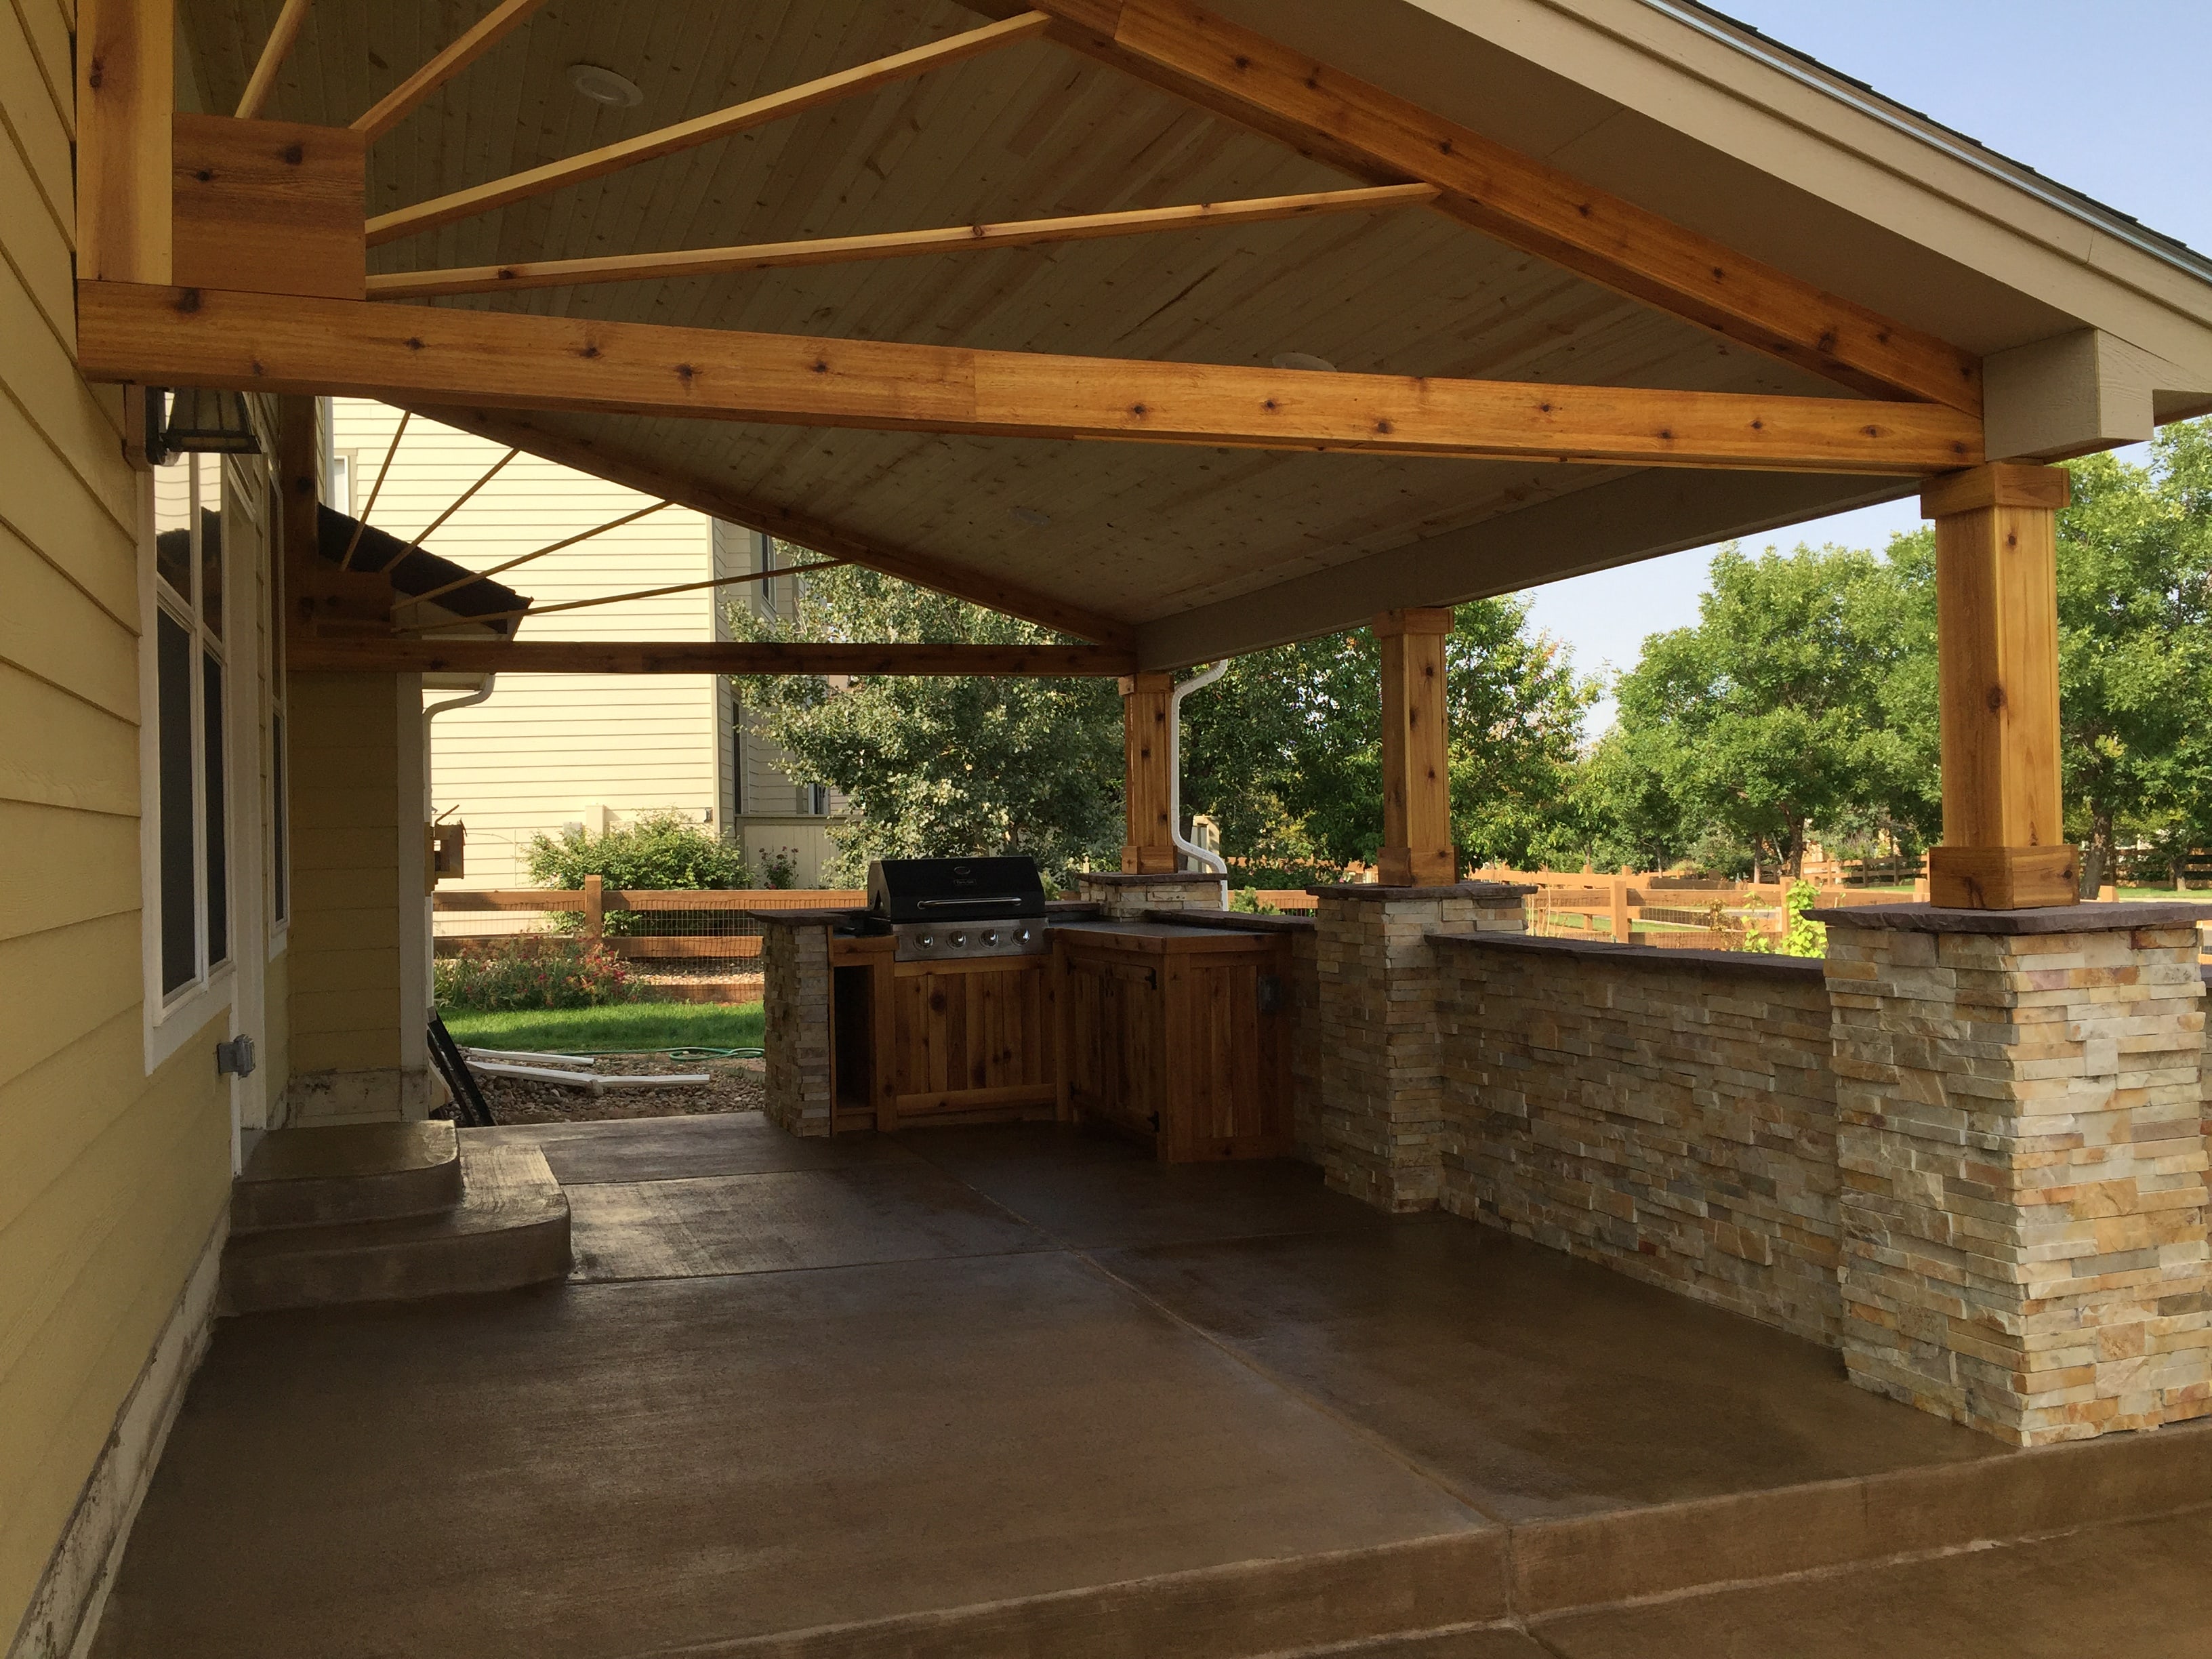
<point x="1639" y="517"/>
<point x="1863" y="154"/>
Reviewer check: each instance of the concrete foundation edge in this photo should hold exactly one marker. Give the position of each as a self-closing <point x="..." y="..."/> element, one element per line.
<point x="65" y="1611"/>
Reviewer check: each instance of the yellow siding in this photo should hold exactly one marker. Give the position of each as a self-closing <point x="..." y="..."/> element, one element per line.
<point x="343" y="962"/>
<point x="111" y="1181"/>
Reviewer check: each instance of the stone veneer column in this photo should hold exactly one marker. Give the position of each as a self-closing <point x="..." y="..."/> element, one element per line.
<point x="2023" y="1159"/>
<point x="1126" y="897"/>
<point x="795" y="993"/>
<point x="1381" y="1058"/>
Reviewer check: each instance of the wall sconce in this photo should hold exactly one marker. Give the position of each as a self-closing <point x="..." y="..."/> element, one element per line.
<point x="204" y="422"/>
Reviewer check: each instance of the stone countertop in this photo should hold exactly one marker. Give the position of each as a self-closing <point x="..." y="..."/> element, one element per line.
<point x="1237" y="921"/>
<point x="1057" y="911"/>
<point x="2102" y="917"/>
<point x="1161" y="925"/>
<point x="1747" y="963"/>
<point x="1464" y="890"/>
<point x="1120" y="878"/>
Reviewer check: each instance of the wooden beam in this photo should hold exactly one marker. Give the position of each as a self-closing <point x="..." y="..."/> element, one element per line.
<point x="395" y="105"/>
<point x="684" y="135"/>
<point x="1996" y="603"/>
<point x="271" y="206"/>
<point x="701" y="657"/>
<point x="261" y="343"/>
<point x="639" y="593"/>
<point x="1526" y="204"/>
<point x="1149" y="848"/>
<point x="982" y="587"/>
<point x="893" y="245"/>
<point x="126" y="98"/>
<point x="1417" y="839"/>
<point x="273" y="50"/>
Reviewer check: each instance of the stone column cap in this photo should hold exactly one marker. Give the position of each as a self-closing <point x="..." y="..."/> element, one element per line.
<point x="1370" y="890"/>
<point x="2104" y="917"/>
<point x="1121" y="878"/>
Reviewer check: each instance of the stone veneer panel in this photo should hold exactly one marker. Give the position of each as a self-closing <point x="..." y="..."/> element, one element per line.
<point x="2023" y="1151"/>
<point x="1378" y="1122"/>
<point x="1127" y="898"/>
<point x="1668" y="1114"/>
<point x="795" y="995"/>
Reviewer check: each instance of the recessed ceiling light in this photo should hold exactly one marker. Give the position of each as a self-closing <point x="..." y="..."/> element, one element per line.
<point x="604" y="86"/>
<point x="1030" y="516"/>
<point x="1306" y="360"/>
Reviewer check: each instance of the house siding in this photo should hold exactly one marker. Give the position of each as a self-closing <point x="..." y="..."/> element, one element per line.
<point x="112" y="1181"/>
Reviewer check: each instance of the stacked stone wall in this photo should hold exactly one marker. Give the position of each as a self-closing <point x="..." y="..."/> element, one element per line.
<point x="795" y="996"/>
<point x="2023" y="1148"/>
<point x="1671" y="1117"/>
<point x="1127" y="898"/>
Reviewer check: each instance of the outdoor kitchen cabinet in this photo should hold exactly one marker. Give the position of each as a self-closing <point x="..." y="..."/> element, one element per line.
<point x="1176" y="1037"/>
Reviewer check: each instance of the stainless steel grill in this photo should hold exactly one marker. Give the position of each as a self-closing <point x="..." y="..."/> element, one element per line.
<point x="945" y="908"/>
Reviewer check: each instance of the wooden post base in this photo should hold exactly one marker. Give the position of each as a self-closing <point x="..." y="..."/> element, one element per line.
<point x="2003" y="878"/>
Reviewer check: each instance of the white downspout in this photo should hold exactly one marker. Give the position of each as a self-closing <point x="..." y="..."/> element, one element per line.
<point x="466" y="700"/>
<point x="1213" y="861"/>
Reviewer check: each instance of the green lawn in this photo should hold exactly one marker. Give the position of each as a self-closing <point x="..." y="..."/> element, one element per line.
<point x="640" y="1026"/>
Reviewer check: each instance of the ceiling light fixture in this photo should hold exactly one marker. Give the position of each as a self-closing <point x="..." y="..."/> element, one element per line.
<point x="1030" y="516"/>
<point x="603" y="86"/>
<point x="1304" y="360"/>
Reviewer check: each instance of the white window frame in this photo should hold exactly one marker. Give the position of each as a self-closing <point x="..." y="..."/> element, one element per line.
<point x="274" y="740"/>
<point x="174" y="1018"/>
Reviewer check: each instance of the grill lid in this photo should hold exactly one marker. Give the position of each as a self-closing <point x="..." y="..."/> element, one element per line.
<point x="954" y="889"/>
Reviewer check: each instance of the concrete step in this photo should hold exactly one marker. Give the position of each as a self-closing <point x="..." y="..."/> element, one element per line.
<point x="358" y="1172"/>
<point x="510" y="1229"/>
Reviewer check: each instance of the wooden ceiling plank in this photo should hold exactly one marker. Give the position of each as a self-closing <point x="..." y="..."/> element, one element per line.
<point x="400" y="102"/>
<point x="890" y="245"/>
<point x="336" y="655"/>
<point x="203" y="336"/>
<point x="683" y="135"/>
<point x="977" y="586"/>
<point x="263" y="81"/>
<point x="1518" y="200"/>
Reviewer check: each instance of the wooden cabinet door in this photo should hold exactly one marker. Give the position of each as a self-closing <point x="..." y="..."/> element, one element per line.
<point x="1226" y="1057"/>
<point x="972" y="1037"/>
<point x="1114" y="1044"/>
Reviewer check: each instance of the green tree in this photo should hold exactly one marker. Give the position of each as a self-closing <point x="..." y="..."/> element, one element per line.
<point x="2135" y="664"/>
<point x="939" y="767"/>
<point x="1768" y="717"/>
<point x="1284" y="752"/>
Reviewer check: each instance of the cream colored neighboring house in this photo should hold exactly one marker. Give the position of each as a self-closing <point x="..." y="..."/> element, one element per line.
<point x="548" y="751"/>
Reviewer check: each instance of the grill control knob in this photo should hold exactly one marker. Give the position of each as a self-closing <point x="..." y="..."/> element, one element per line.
<point x="1024" y="936"/>
<point x="959" y="938"/>
<point x="927" y="941"/>
<point x="991" y="937"/>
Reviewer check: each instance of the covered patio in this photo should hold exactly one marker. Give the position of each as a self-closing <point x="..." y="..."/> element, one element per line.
<point x="1019" y="1391"/>
<point x="1481" y="1295"/>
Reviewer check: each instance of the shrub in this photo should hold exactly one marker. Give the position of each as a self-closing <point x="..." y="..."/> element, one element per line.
<point x="660" y="850"/>
<point x="781" y="868"/>
<point x="1248" y="902"/>
<point x="540" y="970"/>
<point x="1804" y="937"/>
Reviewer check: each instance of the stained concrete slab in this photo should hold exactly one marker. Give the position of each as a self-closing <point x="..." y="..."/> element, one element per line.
<point x="1532" y="1385"/>
<point x="617" y="1469"/>
<point x="686" y="1148"/>
<point x="2141" y="1589"/>
<point x="749" y="1223"/>
<point x="1089" y="1192"/>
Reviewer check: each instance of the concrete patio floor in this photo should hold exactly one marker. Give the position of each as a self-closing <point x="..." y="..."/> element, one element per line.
<point x="1023" y="1392"/>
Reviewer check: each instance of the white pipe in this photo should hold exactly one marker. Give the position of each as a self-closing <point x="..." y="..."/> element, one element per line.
<point x="1213" y="861"/>
<point x="527" y="1057"/>
<point x="598" y="1085"/>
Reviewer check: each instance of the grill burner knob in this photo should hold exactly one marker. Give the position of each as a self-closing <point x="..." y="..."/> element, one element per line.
<point x="959" y="939"/>
<point x="991" y="938"/>
<point x="927" y="941"/>
<point x="1025" y="936"/>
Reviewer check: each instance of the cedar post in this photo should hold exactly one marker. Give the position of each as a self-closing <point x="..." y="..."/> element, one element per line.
<point x="125" y="101"/>
<point x="1417" y="844"/>
<point x="1620" y="923"/>
<point x="1996" y="595"/>
<point x="595" y="910"/>
<point x="1150" y="849"/>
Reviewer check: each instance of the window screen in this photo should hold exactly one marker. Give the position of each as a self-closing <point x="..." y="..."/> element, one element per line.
<point x="180" y="934"/>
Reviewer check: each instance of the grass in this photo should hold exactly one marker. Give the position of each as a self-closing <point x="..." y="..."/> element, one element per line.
<point x="642" y="1026"/>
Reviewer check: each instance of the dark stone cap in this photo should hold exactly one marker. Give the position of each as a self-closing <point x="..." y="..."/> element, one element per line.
<point x="804" y="918"/>
<point x="1233" y="921"/>
<point x="1117" y="878"/>
<point x="2108" y="917"/>
<point x="1466" y="890"/>
<point x="1747" y="964"/>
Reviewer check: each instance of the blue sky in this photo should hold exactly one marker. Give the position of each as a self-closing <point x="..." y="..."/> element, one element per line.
<point x="2108" y="97"/>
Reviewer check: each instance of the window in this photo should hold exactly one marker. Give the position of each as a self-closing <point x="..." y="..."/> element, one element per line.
<point x="340" y="494"/>
<point x="191" y="672"/>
